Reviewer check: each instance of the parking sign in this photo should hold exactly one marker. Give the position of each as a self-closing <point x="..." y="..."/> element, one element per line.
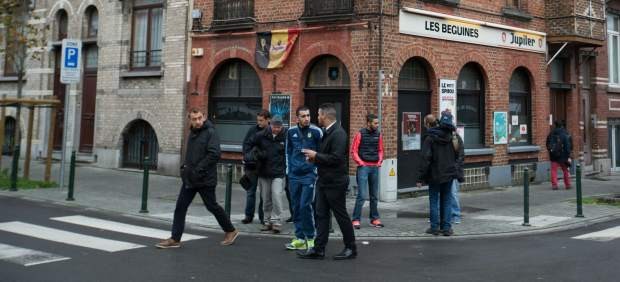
<point x="70" y="71"/>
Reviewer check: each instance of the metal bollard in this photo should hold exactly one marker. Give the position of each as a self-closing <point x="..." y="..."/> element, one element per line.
<point x="579" y="199"/>
<point x="228" y="188"/>
<point x="71" y="177"/>
<point x="15" y="167"/>
<point x="526" y="197"/>
<point x="145" y="185"/>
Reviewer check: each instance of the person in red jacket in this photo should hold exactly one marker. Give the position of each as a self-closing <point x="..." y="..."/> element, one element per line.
<point x="367" y="152"/>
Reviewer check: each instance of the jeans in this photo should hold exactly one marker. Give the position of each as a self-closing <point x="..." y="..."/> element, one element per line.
<point x="302" y="196"/>
<point x="455" y="206"/>
<point x="272" y="191"/>
<point x="439" y="200"/>
<point x="186" y="196"/>
<point x="250" y="204"/>
<point x="367" y="185"/>
<point x="554" y="174"/>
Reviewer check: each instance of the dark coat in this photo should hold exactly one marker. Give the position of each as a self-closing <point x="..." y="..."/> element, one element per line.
<point x="249" y="155"/>
<point x="567" y="144"/>
<point x="332" y="158"/>
<point x="272" y="150"/>
<point x="203" y="152"/>
<point x="439" y="158"/>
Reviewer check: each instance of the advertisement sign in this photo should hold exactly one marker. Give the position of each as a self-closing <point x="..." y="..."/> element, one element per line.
<point x="447" y="96"/>
<point x="411" y="134"/>
<point x="500" y="128"/>
<point x="280" y="105"/>
<point x="441" y="26"/>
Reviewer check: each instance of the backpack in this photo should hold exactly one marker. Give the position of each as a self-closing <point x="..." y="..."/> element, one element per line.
<point x="556" y="146"/>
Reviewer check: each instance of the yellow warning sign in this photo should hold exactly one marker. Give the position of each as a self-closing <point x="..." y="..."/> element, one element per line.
<point x="392" y="172"/>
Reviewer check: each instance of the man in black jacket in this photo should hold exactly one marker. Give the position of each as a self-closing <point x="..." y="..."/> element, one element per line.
<point x="250" y="165"/>
<point x="332" y="183"/>
<point x="199" y="175"/>
<point x="559" y="145"/>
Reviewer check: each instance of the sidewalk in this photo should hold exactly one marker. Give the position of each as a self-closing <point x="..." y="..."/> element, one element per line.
<point x="492" y="212"/>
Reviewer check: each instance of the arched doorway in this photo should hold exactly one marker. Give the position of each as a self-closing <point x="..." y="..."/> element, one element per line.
<point x="9" y="136"/>
<point x="89" y="82"/>
<point x="139" y="140"/>
<point x="414" y="102"/>
<point x="328" y="82"/>
<point x="59" y="34"/>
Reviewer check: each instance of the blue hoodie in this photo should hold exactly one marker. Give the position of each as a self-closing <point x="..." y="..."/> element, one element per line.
<point x="301" y="138"/>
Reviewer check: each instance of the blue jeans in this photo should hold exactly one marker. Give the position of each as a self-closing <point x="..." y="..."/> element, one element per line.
<point x="250" y="203"/>
<point x="302" y="196"/>
<point x="439" y="200"/>
<point x="367" y="185"/>
<point x="455" y="206"/>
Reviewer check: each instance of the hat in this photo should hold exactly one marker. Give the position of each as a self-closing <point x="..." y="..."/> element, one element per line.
<point x="276" y="120"/>
<point x="446" y="119"/>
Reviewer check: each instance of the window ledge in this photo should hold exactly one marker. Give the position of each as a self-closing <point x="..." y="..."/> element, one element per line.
<point x="561" y="85"/>
<point x="523" y="149"/>
<point x="8" y="79"/>
<point x="613" y="88"/>
<point x="516" y="14"/>
<point x="479" y="152"/>
<point x="452" y="3"/>
<point x="153" y="73"/>
<point x="231" y="148"/>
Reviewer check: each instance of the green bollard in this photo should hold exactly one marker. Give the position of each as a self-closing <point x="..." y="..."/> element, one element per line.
<point x="71" y="177"/>
<point x="228" y="188"/>
<point x="579" y="199"/>
<point x="526" y="197"/>
<point x="15" y="167"/>
<point x="145" y="185"/>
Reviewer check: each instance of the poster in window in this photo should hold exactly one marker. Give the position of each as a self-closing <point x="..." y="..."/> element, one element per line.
<point x="447" y="96"/>
<point x="411" y="134"/>
<point x="280" y="105"/>
<point x="500" y="128"/>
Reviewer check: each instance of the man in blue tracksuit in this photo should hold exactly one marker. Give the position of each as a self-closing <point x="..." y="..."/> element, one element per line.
<point x="302" y="177"/>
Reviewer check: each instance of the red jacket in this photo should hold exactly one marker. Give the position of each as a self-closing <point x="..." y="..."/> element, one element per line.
<point x="354" y="151"/>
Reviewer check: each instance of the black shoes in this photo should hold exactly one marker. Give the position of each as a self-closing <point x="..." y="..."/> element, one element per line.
<point x="448" y="232"/>
<point x="289" y="220"/>
<point x="432" y="231"/>
<point x="311" y="253"/>
<point x="347" y="253"/>
<point x="247" y="220"/>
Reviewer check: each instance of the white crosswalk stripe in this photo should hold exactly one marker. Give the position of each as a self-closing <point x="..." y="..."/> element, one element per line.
<point x="27" y="257"/>
<point x="601" y="236"/>
<point x="121" y="227"/>
<point x="66" y="237"/>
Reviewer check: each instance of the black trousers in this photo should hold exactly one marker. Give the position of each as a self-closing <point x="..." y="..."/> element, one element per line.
<point x="332" y="199"/>
<point x="186" y="196"/>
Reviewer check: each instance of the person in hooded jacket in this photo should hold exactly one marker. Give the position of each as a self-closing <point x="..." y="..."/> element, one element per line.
<point x="199" y="175"/>
<point x="559" y="145"/>
<point x="439" y="169"/>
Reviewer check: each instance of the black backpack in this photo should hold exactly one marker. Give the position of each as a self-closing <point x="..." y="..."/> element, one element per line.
<point x="556" y="146"/>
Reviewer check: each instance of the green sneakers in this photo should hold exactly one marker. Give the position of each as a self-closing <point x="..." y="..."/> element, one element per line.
<point x="297" y="244"/>
<point x="310" y="243"/>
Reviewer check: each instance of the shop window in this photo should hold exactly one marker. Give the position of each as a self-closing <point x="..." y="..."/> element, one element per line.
<point x="520" y="108"/>
<point x="147" y="39"/>
<point x="413" y="76"/>
<point x="613" y="41"/>
<point x="328" y="72"/>
<point x="235" y="98"/>
<point x="470" y="105"/>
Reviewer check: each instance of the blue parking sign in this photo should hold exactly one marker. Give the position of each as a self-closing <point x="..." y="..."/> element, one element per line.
<point x="70" y="61"/>
<point x="71" y="57"/>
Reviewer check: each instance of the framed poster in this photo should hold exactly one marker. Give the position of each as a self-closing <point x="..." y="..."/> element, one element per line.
<point x="500" y="128"/>
<point x="411" y="134"/>
<point x="280" y="105"/>
<point x="447" y="97"/>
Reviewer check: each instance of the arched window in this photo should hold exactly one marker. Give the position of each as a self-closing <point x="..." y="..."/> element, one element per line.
<point x="520" y="108"/>
<point x="92" y="22"/>
<point x="63" y="23"/>
<point x="235" y="96"/>
<point x="413" y="76"/>
<point x="328" y="72"/>
<point x="139" y="141"/>
<point x="470" y="105"/>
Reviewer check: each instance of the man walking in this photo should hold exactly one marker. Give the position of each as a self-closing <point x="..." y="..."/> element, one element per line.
<point x="332" y="184"/>
<point x="271" y="142"/>
<point x="367" y="152"/>
<point x="250" y="165"/>
<point x="302" y="176"/>
<point x="199" y="175"/>
<point x="559" y="146"/>
<point x="439" y="169"/>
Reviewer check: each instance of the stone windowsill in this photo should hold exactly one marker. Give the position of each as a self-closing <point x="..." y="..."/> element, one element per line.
<point x="8" y="79"/>
<point x="231" y="148"/>
<point x="516" y="14"/>
<point x="136" y="74"/>
<point x="613" y="88"/>
<point x="453" y="3"/>
<point x="523" y="149"/>
<point x="479" y="152"/>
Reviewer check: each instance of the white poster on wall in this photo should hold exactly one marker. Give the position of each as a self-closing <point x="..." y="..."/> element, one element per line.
<point x="447" y="96"/>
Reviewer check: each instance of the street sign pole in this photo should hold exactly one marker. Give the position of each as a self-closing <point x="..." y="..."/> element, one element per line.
<point x="70" y="73"/>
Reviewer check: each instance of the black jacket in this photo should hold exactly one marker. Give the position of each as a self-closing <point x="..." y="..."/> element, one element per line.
<point x="203" y="152"/>
<point x="439" y="157"/>
<point x="567" y="145"/>
<point x="272" y="150"/>
<point x="249" y="154"/>
<point x="332" y="158"/>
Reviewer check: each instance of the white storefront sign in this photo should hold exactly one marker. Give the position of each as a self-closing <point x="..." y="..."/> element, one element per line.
<point x="441" y="26"/>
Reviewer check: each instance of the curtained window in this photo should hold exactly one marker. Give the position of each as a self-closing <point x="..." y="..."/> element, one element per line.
<point x="147" y="39"/>
<point x="520" y="108"/>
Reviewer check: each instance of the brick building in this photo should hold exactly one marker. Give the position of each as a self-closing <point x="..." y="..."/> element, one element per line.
<point x="607" y="110"/>
<point x="493" y="53"/>
<point x="130" y="101"/>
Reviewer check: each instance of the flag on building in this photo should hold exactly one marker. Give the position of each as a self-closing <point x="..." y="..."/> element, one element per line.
<point x="273" y="47"/>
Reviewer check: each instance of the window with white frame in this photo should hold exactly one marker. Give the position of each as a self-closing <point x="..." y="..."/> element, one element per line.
<point x="613" y="41"/>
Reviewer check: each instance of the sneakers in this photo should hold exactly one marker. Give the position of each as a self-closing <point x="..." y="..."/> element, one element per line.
<point x="168" y="244"/>
<point x="266" y="227"/>
<point x="431" y="231"/>
<point x="448" y="232"/>
<point x="229" y="238"/>
<point x="247" y="220"/>
<point x="376" y="223"/>
<point x="275" y="228"/>
<point x="554" y="187"/>
<point x="357" y="224"/>
<point x="297" y="244"/>
<point x="310" y="243"/>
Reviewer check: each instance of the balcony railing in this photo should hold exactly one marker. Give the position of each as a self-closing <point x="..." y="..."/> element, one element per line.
<point x="233" y="14"/>
<point x="145" y="59"/>
<point x="579" y="21"/>
<point x="327" y="10"/>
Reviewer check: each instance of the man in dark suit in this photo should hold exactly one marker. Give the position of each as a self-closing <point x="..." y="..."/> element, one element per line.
<point x="332" y="183"/>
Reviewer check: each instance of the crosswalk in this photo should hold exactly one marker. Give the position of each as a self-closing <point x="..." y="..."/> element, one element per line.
<point x="28" y="257"/>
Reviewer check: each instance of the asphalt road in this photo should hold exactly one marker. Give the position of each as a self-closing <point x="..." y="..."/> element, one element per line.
<point x="548" y="257"/>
